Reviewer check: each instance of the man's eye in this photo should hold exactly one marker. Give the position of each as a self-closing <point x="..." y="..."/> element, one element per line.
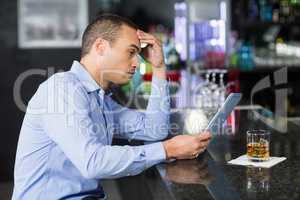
<point x="132" y="53"/>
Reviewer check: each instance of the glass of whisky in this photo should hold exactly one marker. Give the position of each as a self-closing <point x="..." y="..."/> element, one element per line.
<point x="258" y="145"/>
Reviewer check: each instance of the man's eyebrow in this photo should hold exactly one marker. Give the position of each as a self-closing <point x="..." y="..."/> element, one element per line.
<point x="136" y="47"/>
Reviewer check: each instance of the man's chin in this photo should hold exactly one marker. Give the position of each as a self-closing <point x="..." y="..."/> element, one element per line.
<point x="123" y="81"/>
<point x="128" y="78"/>
<point x="127" y="81"/>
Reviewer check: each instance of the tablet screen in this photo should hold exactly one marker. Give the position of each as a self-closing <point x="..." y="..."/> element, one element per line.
<point x="221" y="116"/>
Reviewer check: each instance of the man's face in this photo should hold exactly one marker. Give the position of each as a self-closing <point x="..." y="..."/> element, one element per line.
<point x="120" y="59"/>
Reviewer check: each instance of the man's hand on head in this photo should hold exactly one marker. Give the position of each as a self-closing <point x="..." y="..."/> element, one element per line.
<point x="153" y="52"/>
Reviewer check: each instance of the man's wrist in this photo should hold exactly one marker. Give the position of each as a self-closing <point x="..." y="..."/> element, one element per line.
<point x="168" y="149"/>
<point x="160" y="72"/>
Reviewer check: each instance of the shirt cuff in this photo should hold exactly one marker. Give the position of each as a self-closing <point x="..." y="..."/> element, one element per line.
<point x="155" y="153"/>
<point x="161" y="83"/>
<point x="160" y="88"/>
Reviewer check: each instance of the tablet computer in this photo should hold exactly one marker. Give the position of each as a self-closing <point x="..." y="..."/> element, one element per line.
<point x="221" y="116"/>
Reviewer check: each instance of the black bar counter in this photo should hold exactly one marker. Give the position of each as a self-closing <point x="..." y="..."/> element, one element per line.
<point x="210" y="177"/>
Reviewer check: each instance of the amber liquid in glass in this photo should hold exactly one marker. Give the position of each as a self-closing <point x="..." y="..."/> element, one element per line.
<point x="258" y="150"/>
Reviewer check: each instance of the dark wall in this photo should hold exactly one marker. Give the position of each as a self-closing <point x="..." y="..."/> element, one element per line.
<point x="15" y="61"/>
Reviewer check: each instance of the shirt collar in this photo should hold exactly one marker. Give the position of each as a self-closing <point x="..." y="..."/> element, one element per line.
<point x="86" y="79"/>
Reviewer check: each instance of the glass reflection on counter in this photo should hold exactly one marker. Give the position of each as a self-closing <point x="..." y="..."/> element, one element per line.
<point x="258" y="181"/>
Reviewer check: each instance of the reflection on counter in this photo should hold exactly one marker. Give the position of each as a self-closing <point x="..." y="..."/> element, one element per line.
<point x="258" y="181"/>
<point x="189" y="172"/>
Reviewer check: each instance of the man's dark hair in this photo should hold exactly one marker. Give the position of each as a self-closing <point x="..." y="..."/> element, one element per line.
<point x="106" y="26"/>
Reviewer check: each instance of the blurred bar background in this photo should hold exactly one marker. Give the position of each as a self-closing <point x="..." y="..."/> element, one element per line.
<point x="211" y="47"/>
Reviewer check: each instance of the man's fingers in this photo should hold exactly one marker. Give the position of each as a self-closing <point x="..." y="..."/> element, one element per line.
<point x="187" y="157"/>
<point x="206" y="133"/>
<point x="205" y="143"/>
<point x="204" y="136"/>
<point x="149" y="37"/>
<point x="150" y="41"/>
<point x="202" y="145"/>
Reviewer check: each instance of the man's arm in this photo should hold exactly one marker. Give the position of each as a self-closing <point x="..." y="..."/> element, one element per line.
<point x="154" y="123"/>
<point x="69" y="125"/>
<point x="151" y="125"/>
<point x="71" y="128"/>
<point x="182" y="146"/>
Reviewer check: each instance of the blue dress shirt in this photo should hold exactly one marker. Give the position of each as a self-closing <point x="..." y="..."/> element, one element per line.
<point x="64" y="146"/>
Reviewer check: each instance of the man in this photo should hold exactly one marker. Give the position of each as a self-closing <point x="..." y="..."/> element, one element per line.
<point x="64" y="147"/>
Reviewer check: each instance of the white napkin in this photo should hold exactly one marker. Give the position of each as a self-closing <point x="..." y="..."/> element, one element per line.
<point x="243" y="160"/>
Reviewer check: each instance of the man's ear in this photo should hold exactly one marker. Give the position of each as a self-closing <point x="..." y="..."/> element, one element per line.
<point x="100" y="45"/>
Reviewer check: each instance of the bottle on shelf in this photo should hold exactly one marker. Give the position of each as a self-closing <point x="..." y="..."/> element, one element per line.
<point x="253" y="10"/>
<point x="295" y="5"/>
<point x="276" y="11"/>
<point x="265" y="10"/>
<point x="246" y="56"/>
<point x="285" y="11"/>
